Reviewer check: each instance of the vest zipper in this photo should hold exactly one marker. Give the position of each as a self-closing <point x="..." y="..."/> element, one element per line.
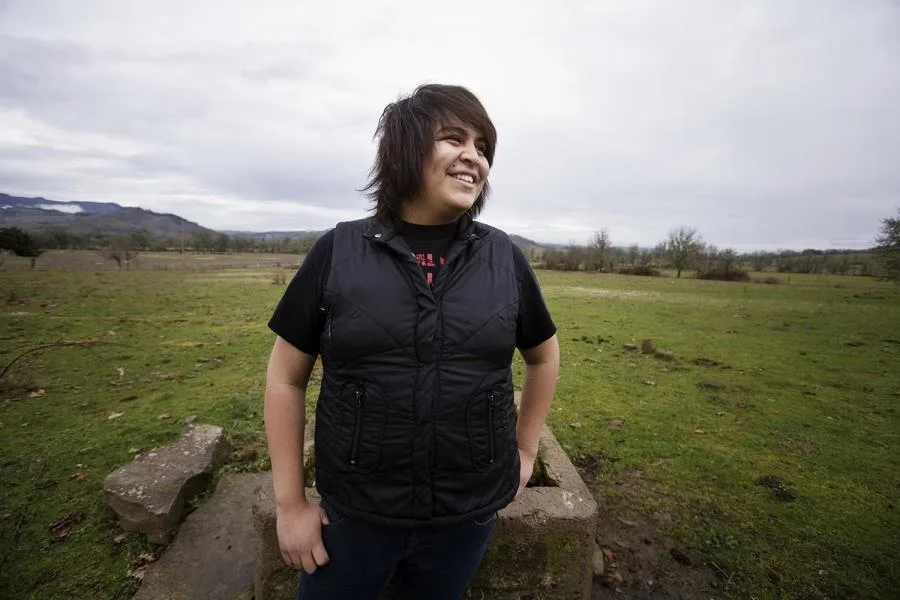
<point x="491" y="425"/>
<point x="357" y="428"/>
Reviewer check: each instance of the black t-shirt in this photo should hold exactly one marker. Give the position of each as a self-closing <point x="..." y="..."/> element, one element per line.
<point x="299" y="317"/>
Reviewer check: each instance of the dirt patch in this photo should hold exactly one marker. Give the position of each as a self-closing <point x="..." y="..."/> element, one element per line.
<point x="640" y="562"/>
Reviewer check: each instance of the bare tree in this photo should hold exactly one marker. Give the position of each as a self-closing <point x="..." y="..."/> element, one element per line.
<point x="633" y="253"/>
<point x="598" y="251"/>
<point x="121" y="251"/>
<point x="888" y="242"/>
<point x="707" y="256"/>
<point x="682" y="247"/>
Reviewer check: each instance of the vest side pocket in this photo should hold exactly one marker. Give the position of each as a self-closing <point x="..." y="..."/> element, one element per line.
<point x="364" y="412"/>
<point x="484" y="428"/>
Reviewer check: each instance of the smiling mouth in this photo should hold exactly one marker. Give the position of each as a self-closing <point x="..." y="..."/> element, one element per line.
<point x="464" y="178"/>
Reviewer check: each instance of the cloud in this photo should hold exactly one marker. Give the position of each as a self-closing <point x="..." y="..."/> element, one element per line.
<point x="763" y="124"/>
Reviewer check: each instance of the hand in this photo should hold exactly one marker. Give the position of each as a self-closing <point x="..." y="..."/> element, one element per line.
<point x="299" y="529"/>
<point x="526" y="468"/>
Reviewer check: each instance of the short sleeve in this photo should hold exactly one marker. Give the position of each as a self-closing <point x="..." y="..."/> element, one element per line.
<point x="535" y="326"/>
<point x="298" y="318"/>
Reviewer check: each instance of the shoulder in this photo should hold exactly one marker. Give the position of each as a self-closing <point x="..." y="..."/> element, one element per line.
<point x="357" y="225"/>
<point x="496" y="235"/>
<point x="489" y="233"/>
<point x="322" y="247"/>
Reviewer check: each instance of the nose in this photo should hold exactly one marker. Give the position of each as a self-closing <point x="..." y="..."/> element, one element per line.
<point x="469" y="152"/>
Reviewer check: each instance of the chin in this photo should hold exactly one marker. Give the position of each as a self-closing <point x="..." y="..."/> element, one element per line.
<point x="461" y="204"/>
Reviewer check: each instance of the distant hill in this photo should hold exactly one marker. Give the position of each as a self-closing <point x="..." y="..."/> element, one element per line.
<point x="531" y="248"/>
<point x="91" y="218"/>
<point x="102" y="219"/>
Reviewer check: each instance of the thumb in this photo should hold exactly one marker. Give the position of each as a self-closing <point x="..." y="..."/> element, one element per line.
<point x="323" y="517"/>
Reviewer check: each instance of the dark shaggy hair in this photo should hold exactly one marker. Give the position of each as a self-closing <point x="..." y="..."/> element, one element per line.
<point x="406" y="138"/>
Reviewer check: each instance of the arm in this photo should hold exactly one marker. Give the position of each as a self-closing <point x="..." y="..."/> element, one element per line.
<point x="298" y="522"/>
<point x="541" y="372"/>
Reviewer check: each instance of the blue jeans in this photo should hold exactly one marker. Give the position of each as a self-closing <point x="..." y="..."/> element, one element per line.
<point x="432" y="563"/>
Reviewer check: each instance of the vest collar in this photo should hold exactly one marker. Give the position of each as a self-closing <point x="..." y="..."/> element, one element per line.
<point x="379" y="231"/>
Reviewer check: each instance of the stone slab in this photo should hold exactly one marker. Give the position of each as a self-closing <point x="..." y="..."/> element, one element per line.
<point x="211" y="558"/>
<point x="149" y="494"/>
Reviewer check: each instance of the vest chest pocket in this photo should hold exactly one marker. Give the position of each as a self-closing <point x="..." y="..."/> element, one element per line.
<point x="487" y="427"/>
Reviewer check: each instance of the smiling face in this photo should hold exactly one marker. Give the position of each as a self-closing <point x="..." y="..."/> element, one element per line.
<point x="453" y="175"/>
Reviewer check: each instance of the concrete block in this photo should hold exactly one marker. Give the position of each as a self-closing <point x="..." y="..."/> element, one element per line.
<point x="541" y="548"/>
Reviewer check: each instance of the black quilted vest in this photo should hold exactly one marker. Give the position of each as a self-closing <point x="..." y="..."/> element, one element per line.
<point x="415" y="423"/>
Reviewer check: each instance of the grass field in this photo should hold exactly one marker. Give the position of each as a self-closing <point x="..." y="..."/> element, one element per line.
<point x="805" y="387"/>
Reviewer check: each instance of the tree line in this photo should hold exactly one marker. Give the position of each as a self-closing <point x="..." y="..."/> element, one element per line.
<point x="684" y="249"/>
<point x="125" y="248"/>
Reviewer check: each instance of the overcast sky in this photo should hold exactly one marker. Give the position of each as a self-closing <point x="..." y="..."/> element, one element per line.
<point x="764" y="124"/>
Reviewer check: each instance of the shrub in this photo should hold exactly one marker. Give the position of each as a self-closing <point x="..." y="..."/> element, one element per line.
<point x="643" y="270"/>
<point x="719" y="274"/>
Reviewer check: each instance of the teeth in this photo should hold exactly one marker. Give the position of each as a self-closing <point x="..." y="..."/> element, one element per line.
<point x="466" y="178"/>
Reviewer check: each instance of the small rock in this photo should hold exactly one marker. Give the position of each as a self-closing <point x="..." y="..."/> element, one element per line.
<point x="164" y="417"/>
<point x="133" y="450"/>
<point x="78" y="476"/>
<point x="649" y="382"/>
<point x="45" y="483"/>
<point x="632" y="364"/>
<point x="119" y="539"/>
<point x="617" y="423"/>
<point x="190" y="419"/>
<point x="37" y="394"/>
<point x="664" y="355"/>
<point x="575" y="425"/>
<point x="114" y="415"/>
<point x="2" y="424"/>
<point x="647" y="347"/>
<point x="139" y="565"/>
<point x="699" y="431"/>
<point x="679" y="555"/>
<point x="629" y="347"/>
<point x="597" y="562"/>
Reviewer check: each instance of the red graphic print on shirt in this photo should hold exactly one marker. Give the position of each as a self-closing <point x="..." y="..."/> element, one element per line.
<point x="427" y="262"/>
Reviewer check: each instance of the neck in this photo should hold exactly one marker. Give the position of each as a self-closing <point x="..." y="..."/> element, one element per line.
<point x="417" y="214"/>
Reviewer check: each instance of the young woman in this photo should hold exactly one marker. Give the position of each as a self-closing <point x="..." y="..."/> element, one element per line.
<point x="416" y="313"/>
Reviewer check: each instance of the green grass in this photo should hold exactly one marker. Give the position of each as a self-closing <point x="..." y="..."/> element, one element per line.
<point x="810" y="392"/>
